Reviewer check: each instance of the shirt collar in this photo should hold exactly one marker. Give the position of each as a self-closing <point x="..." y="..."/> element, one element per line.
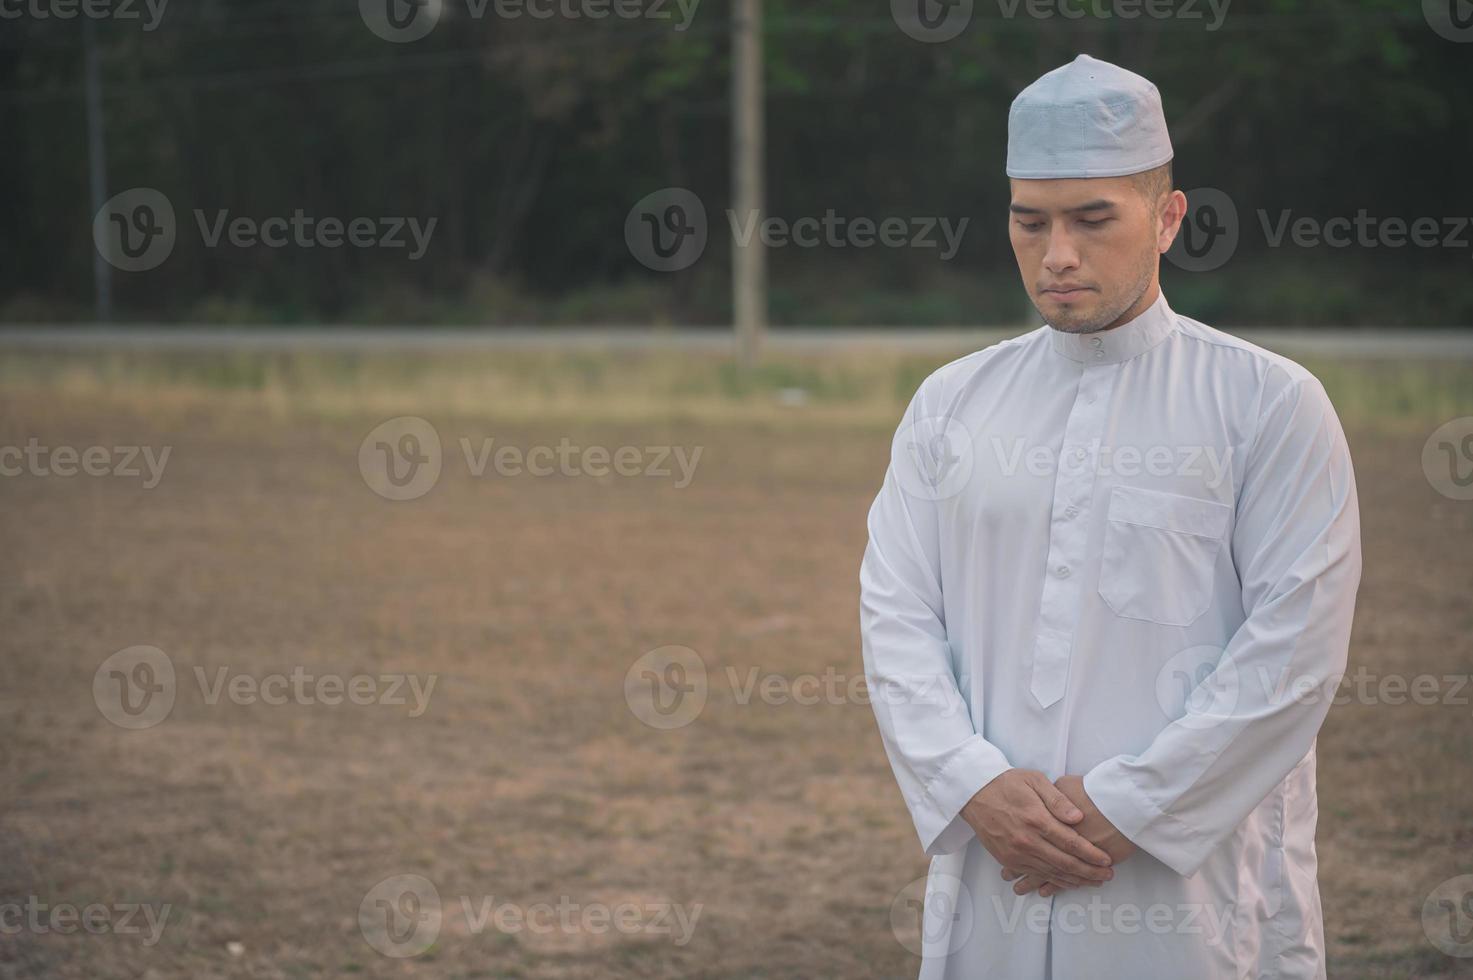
<point x="1135" y="337"/>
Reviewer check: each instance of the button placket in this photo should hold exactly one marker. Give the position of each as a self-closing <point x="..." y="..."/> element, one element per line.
<point x="1074" y="482"/>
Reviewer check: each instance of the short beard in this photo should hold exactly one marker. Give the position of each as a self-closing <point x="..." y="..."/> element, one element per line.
<point x="1110" y="312"/>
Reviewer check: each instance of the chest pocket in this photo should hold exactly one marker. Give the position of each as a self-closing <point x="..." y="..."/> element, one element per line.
<point x="1159" y="555"/>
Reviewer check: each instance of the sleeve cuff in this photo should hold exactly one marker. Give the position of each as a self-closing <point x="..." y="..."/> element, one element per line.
<point x="1144" y="824"/>
<point x="938" y="817"/>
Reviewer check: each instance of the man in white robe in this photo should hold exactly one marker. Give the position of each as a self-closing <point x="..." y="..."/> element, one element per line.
<point x="1107" y="596"/>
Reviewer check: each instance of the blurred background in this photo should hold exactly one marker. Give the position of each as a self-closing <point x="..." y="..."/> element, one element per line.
<point x="528" y="139"/>
<point x="436" y="439"/>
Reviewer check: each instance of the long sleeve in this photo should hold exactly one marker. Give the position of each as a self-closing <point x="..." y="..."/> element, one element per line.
<point x="1296" y="544"/>
<point x="938" y="758"/>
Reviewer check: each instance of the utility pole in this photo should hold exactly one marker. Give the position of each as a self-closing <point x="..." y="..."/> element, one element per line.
<point x="748" y="262"/>
<point x="102" y="283"/>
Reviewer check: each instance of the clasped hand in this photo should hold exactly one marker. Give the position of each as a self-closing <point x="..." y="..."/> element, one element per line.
<point x="1047" y="836"/>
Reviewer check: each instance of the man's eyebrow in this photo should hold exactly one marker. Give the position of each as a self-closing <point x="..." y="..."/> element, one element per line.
<point x="1096" y="205"/>
<point x="1099" y="204"/>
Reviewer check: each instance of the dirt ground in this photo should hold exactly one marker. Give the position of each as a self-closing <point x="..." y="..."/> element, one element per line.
<point x="527" y="778"/>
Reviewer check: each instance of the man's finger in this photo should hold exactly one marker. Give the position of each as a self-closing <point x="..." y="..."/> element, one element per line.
<point x="1064" y="864"/>
<point x="1046" y="887"/>
<point x="1072" y="842"/>
<point x="1038" y="869"/>
<point x="1028" y="884"/>
<point x="1058" y="804"/>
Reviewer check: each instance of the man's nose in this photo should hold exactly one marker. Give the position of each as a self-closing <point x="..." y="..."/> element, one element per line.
<point x="1061" y="255"/>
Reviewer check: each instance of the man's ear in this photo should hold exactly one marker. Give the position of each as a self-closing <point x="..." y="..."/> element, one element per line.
<point x="1169" y="222"/>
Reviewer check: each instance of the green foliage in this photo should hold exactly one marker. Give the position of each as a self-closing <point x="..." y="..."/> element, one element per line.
<point x="529" y="141"/>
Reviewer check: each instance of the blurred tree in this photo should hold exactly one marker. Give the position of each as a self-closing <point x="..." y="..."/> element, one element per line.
<point x="528" y="140"/>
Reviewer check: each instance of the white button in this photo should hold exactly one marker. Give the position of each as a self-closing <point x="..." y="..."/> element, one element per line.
<point x="1079" y="454"/>
<point x="1071" y="511"/>
<point x="1098" y="342"/>
<point x="1089" y="399"/>
<point x="1099" y="355"/>
<point x="1063" y="571"/>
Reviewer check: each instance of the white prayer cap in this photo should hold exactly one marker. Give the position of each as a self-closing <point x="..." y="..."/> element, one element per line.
<point x="1088" y="118"/>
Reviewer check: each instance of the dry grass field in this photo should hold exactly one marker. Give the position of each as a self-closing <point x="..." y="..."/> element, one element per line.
<point x="774" y="829"/>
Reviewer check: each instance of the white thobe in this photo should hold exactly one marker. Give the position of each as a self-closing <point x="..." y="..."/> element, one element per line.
<point x="1131" y="555"/>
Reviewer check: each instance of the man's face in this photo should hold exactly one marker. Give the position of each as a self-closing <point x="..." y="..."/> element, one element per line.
<point x="1088" y="249"/>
